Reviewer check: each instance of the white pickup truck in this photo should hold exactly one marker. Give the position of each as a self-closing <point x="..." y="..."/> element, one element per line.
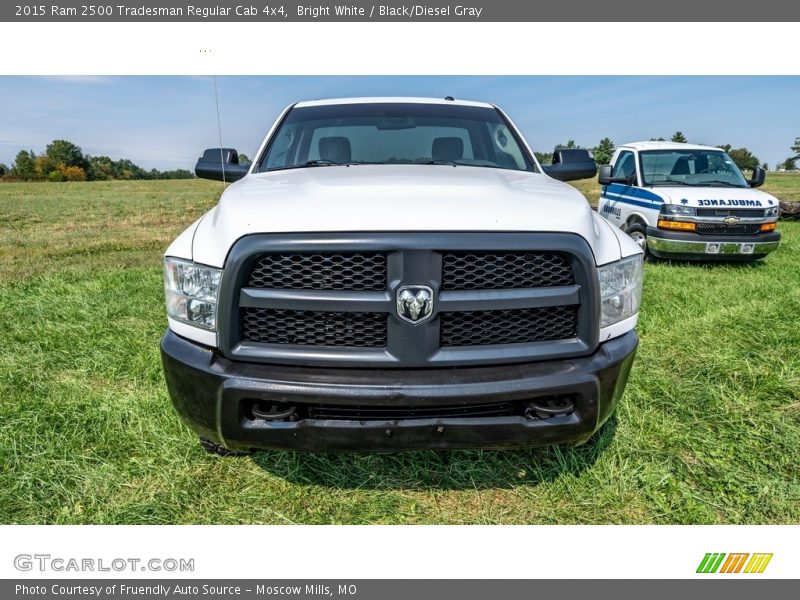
<point x="691" y="202"/>
<point x="398" y="273"/>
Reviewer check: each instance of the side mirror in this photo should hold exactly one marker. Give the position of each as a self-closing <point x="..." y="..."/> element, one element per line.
<point x="220" y="164"/>
<point x="757" y="180"/>
<point x="570" y="164"/>
<point x="604" y="175"/>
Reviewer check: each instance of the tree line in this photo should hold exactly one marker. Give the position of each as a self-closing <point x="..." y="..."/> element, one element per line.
<point x="64" y="161"/>
<point x="743" y="158"/>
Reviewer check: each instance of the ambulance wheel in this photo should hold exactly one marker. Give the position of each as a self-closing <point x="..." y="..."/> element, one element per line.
<point x="638" y="234"/>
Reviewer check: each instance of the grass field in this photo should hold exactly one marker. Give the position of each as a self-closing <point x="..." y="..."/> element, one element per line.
<point x="708" y="430"/>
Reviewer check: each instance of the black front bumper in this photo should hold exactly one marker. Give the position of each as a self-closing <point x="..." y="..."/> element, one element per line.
<point x="214" y="396"/>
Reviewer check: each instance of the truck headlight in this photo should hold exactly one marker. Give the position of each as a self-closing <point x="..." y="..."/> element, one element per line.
<point x="678" y="210"/>
<point x="773" y="211"/>
<point x="620" y="289"/>
<point x="191" y="292"/>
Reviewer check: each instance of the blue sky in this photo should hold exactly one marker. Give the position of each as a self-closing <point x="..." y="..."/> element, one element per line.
<point x="165" y="122"/>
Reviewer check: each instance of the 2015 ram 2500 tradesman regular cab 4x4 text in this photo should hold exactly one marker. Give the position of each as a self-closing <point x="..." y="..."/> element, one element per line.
<point x="398" y="273"/>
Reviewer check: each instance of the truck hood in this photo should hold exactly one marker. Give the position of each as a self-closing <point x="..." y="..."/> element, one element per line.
<point x="715" y="196"/>
<point x="376" y="198"/>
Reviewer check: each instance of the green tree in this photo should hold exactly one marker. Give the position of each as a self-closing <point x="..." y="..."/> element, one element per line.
<point x="67" y="153"/>
<point x="660" y="139"/>
<point x="45" y="167"/>
<point x="678" y="137"/>
<point x="743" y="158"/>
<point x="101" y="168"/>
<point x="796" y="146"/>
<point x="569" y="144"/>
<point x="175" y="174"/>
<point x="765" y="166"/>
<point x="71" y="173"/>
<point x="789" y="164"/>
<point x="24" y="165"/>
<point x="544" y="158"/>
<point x="603" y="151"/>
<point x="126" y="169"/>
<point x="3" y="170"/>
<point x="244" y="159"/>
<point x="725" y="147"/>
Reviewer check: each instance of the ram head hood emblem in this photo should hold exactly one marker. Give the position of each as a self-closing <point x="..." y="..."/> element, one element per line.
<point x="414" y="303"/>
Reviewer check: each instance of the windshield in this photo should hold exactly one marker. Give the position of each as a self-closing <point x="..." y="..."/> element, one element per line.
<point x="690" y="167"/>
<point x="399" y="133"/>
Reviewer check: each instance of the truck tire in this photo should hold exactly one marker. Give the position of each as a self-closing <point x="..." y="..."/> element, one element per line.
<point x="218" y="449"/>
<point x="638" y="234"/>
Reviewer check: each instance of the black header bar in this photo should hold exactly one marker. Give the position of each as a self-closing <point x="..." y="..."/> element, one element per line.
<point x="740" y="588"/>
<point x="430" y="11"/>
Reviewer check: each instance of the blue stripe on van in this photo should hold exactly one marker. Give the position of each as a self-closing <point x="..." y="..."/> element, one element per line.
<point x="627" y="190"/>
<point x="634" y="202"/>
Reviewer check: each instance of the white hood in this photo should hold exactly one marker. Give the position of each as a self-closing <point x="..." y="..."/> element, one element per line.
<point x="374" y="198"/>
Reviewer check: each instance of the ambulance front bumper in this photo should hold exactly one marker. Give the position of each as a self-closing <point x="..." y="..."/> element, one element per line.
<point x="693" y="246"/>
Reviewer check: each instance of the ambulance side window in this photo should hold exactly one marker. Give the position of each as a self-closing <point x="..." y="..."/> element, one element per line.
<point x="625" y="166"/>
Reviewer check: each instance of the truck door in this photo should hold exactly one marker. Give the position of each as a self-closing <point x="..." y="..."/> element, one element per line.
<point x="613" y="206"/>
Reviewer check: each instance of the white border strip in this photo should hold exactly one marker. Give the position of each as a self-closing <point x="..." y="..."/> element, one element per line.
<point x="428" y="552"/>
<point x="395" y="48"/>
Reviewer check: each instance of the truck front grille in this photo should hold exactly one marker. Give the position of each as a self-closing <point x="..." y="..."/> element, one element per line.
<point x="723" y="229"/>
<point x="731" y="212"/>
<point x="489" y="271"/>
<point x="320" y="271"/>
<point x="320" y="300"/>
<point x="516" y="326"/>
<point x="310" y="328"/>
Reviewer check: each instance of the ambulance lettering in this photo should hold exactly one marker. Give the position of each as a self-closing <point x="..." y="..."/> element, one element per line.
<point x="713" y="202"/>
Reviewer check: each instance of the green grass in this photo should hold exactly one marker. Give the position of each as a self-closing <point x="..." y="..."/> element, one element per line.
<point x="708" y="430"/>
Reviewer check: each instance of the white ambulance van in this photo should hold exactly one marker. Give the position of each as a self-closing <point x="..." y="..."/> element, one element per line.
<point x="690" y="202"/>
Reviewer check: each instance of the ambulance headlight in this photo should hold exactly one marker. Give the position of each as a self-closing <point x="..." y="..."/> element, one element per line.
<point x="772" y="211"/>
<point x="678" y="210"/>
<point x="620" y="289"/>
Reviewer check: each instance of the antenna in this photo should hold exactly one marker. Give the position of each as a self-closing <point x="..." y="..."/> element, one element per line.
<point x="219" y="130"/>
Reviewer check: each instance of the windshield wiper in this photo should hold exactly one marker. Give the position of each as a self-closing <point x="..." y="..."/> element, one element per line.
<point x="440" y="161"/>
<point x="678" y="181"/>
<point x="714" y="182"/>
<point x="457" y="163"/>
<point x="321" y="162"/>
<point x="318" y="162"/>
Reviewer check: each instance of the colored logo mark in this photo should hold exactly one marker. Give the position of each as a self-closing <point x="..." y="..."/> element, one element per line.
<point x="719" y="562"/>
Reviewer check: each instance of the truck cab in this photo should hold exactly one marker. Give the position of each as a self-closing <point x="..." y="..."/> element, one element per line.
<point x="686" y="201"/>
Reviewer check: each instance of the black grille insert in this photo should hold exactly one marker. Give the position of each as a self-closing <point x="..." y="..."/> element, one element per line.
<point x="730" y="212"/>
<point x="515" y="326"/>
<point x="341" y="271"/>
<point x="534" y="409"/>
<point x="312" y="328"/>
<point x="722" y="229"/>
<point x="493" y="270"/>
<point x="392" y="413"/>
